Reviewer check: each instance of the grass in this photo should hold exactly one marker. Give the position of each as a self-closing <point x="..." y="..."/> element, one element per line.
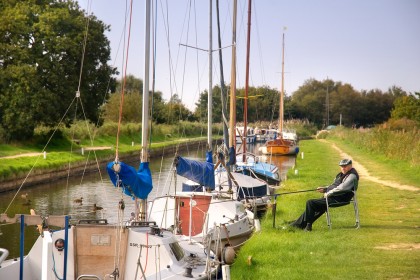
<point x="389" y="218"/>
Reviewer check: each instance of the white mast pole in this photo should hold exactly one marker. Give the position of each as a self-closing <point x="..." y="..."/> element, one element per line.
<point x="145" y="110"/>
<point x="210" y="96"/>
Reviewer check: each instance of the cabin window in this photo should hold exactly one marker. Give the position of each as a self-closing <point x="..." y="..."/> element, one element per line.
<point x="177" y="250"/>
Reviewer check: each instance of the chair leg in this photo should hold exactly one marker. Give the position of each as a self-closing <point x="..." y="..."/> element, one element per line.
<point x="328" y="214"/>
<point x="356" y="212"/>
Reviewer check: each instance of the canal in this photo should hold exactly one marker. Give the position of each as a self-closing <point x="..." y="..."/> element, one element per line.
<point x="63" y="197"/>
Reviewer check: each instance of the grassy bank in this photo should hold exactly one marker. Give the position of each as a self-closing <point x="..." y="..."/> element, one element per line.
<point x="385" y="247"/>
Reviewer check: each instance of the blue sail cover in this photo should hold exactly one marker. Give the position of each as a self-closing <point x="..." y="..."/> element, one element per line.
<point x="199" y="172"/>
<point x="232" y="156"/>
<point x="135" y="183"/>
<point x="209" y="156"/>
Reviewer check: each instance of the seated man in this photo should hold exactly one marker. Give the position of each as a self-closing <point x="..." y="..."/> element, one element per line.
<point x="340" y="191"/>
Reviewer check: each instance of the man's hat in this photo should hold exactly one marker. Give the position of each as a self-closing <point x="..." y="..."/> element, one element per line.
<point x="345" y="162"/>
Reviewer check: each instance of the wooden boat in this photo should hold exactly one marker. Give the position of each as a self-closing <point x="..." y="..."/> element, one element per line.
<point x="281" y="145"/>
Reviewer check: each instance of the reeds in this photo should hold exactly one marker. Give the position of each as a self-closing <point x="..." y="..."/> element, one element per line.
<point x="393" y="144"/>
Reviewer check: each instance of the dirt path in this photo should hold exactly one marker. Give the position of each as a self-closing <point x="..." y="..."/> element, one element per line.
<point x="363" y="172"/>
<point x="23" y="155"/>
<point x="38" y="154"/>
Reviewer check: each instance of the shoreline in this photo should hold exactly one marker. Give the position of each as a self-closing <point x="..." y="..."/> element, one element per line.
<point x="40" y="176"/>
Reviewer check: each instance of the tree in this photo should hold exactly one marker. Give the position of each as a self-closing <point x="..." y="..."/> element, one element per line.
<point x="41" y="47"/>
<point x="407" y="106"/>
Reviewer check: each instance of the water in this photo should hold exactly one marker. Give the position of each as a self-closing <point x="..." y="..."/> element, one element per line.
<point x="58" y="197"/>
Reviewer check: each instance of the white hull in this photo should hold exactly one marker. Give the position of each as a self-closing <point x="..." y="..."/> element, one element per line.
<point x="213" y="221"/>
<point x="96" y="249"/>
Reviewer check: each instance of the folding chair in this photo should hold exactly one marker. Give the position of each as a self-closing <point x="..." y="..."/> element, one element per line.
<point x="356" y="209"/>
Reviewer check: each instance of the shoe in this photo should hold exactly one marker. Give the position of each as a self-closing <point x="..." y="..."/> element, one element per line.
<point x="308" y="227"/>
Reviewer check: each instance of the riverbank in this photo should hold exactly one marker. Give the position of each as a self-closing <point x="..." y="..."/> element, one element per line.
<point x="385" y="247"/>
<point x="91" y="163"/>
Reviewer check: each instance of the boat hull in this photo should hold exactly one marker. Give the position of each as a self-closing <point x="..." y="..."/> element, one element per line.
<point x="280" y="147"/>
<point x="103" y="251"/>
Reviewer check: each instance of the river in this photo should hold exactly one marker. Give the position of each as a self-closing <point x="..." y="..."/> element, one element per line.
<point x="58" y="197"/>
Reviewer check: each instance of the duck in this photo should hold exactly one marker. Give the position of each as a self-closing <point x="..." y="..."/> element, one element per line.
<point x="24" y="196"/>
<point x="96" y="208"/>
<point x="78" y="200"/>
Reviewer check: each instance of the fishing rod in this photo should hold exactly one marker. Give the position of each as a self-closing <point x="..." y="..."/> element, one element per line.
<point x="311" y="190"/>
<point x="274" y="206"/>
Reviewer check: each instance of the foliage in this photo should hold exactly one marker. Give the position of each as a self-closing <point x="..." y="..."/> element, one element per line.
<point x="345" y="104"/>
<point x="407" y="106"/>
<point x="40" y="62"/>
<point x="132" y="108"/>
<point x="399" y="145"/>
<point x="161" y="112"/>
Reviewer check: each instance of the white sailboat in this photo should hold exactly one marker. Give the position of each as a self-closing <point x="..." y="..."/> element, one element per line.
<point x="198" y="212"/>
<point x="94" y="249"/>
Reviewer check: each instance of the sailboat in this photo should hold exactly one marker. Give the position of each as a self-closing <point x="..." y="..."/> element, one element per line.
<point x="286" y="142"/>
<point x="199" y="212"/>
<point x="94" y="249"/>
<point x="249" y="163"/>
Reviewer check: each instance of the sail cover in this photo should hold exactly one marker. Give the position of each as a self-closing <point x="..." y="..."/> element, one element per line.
<point x="199" y="172"/>
<point x="135" y="183"/>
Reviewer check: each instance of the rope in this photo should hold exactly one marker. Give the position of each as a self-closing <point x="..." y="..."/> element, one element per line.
<point x="39" y="156"/>
<point x="123" y="85"/>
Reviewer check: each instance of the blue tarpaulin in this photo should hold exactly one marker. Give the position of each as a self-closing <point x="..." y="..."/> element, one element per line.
<point x="199" y="172"/>
<point x="135" y="183"/>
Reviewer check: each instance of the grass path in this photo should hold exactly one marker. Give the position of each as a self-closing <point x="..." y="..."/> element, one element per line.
<point x="365" y="173"/>
<point x="387" y="246"/>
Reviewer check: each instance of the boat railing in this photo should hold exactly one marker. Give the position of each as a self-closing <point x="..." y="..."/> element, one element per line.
<point x="93" y="222"/>
<point x="3" y="254"/>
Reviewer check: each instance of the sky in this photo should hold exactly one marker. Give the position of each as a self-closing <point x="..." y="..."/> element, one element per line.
<point x="372" y="44"/>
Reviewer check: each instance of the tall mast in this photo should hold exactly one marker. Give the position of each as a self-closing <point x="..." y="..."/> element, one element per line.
<point x="210" y="95"/>
<point x="222" y="83"/>
<point x="145" y="111"/>
<point x="248" y="46"/>
<point x="282" y="91"/>
<point x="232" y="107"/>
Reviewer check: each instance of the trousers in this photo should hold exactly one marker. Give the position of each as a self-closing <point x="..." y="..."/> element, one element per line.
<point x="315" y="208"/>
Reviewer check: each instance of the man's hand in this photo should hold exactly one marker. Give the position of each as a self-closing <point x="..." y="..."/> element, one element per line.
<point x="321" y="189"/>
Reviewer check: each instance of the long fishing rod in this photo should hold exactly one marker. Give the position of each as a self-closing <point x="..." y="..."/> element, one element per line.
<point x="311" y="190"/>
<point x="274" y="206"/>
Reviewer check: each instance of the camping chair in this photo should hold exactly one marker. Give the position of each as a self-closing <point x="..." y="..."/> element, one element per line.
<point x="356" y="209"/>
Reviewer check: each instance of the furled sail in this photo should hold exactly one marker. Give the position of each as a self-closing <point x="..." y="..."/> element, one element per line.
<point x="199" y="172"/>
<point x="135" y="183"/>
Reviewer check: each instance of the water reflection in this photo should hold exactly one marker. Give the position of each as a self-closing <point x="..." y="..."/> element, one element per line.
<point x="58" y="197"/>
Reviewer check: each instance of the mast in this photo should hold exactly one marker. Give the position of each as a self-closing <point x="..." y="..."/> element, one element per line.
<point x="210" y="95"/>
<point x="145" y="111"/>
<point x="222" y="83"/>
<point x="232" y="107"/>
<point x="281" y="113"/>
<point x="248" y="47"/>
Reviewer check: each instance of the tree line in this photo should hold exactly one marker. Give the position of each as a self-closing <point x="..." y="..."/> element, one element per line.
<point x="43" y="44"/>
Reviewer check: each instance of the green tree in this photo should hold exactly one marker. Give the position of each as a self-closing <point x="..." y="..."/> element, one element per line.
<point x="176" y="111"/>
<point x="41" y="47"/>
<point x="200" y="112"/>
<point x="407" y="106"/>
